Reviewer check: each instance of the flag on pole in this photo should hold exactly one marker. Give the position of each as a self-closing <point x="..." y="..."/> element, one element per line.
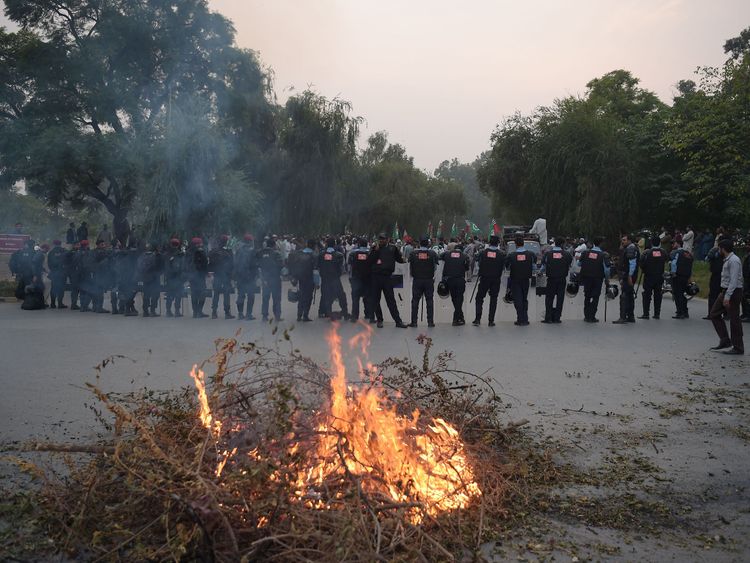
<point x="472" y="228"/>
<point x="454" y="230"/>
<point x="440" y="229"/>
<point x="429" y="229"/>
<point x="494" y="228"/>
<point x="395" y="231"/>
<point x="406" y="236"/>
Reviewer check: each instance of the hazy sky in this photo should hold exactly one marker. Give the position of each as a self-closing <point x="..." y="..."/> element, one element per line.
<point x="438" y="75"/>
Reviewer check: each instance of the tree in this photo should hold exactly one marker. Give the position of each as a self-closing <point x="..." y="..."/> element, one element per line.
<point x="93" y="85"/>
<point x="478" y="204"/>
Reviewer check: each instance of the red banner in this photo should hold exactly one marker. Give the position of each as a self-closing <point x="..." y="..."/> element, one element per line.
<point x="10" y="243"/>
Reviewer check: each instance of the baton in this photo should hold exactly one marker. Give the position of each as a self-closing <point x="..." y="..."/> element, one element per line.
<point x="638" y="286"/>
<point x="605" y="300"/>
<point x="473" y="291"/>
<point x="421" y="314"/>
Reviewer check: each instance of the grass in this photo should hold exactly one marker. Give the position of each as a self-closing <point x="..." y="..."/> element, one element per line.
<point x="701" y="276"/>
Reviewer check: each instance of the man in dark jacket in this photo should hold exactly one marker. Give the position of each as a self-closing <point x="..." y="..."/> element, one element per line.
<point x="148" y="269"/>
<point x="56" y="266"/>
<point x="221" y="263"/>
<point x="246" y="276"/>
<point x="383" y="259"/>
<point x="360" y="280"/>
<point x="422" y="265"/>
<point x="302" y="264"/>
<point x="627" y="269"/>
<point x="197" y="270"/>
<point x="491" y="265"/>
<point x="595" y="264"/>
<point x="331" y="267"/>
<point x="271" y="264"/>
<point x="455" y="265"/>
<point x="652" y="266"/>
<point x="682" y="269"/>
<point x="82" y="233"/>
<point x="556" y="264"/>
<point x="22" y="267"/>
<point x="174" y="278"/>
<point x="521" y="263"/>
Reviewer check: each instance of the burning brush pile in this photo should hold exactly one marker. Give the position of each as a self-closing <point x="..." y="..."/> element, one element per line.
<point x="275" y="458"/>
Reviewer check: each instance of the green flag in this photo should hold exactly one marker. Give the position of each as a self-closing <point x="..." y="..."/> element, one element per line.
<point x="454" y="230"/>
<point x="472" y="228"/>
<point x="395" y="231"/>
<point x="440" y="229"/>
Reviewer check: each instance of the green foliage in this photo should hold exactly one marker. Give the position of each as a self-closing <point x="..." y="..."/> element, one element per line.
<point x="478" y="204"/>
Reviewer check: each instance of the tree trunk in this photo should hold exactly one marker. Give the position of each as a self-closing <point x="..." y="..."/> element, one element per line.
<point x="121" y="226"/>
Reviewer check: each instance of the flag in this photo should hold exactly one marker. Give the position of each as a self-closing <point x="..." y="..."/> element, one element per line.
<point x="429" y="229"/>
<point x="406" y="236"/>
<point x="454" y="230"/>
<point x="440" y="229"/>
<point x="395" y="231"/>
<point x="494" y="228"/>
<point x="472" y="228"/>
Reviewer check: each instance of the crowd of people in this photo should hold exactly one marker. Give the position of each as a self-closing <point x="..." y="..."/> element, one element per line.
<point x="88" y="273"/>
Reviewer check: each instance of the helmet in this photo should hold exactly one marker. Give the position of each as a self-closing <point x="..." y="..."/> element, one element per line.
<point x="572" y="288"/>
<point x="692" y="289"/>
<point x="574" y="277"/>
<point x="292" y="295"/>
<point x="442" y="289"/>
<point x="612" y="291"/>
<point x="508" y="297"/>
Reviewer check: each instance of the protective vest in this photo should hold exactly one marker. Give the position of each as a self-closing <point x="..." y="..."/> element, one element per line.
<point x="521" y="264"/>
<point x="653" y="262"/>
<point x="245" y="266"/>
<point x="422" y="263"/>
<point x="302" y="264"/>
<point x="456" y="263"/>
<point x="592" y="264"/>
<point x="684" y="263"/>
<point x="384" y="259"/>
<point x="360" y="261"/>
<point x="270" y="263"/>
<point x="630" y="252"/>
<point x="330" y="264"/>
<point x="556" y="263"/>
<point x="220" y="260"/>
<point x="715" y="261"/>
<point x="491" y="263"/>
<point x="55" y="258"/>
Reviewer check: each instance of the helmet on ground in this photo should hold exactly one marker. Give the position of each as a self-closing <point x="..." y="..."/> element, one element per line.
<point x="508" y="297"/>
<point x="572" y="288"/>
<point x="612" y="291"/>
<point x="692" y="289"/>
<point x="574" y="277"/>
<point x="292" y="295"/>
<point x="442" y="289"/>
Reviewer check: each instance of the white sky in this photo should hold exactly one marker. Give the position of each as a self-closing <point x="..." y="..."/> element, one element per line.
<point x="438" y="75"/>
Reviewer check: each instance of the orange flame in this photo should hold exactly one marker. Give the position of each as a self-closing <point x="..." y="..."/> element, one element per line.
<point x="205" y="414"/>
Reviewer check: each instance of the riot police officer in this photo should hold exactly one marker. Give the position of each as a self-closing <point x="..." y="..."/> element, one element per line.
<point x="148" y="270"/>
<point x="102" y="277"/>
<point x="361" y="270"/>
<point x="174" y="279"/>
<point x="125" y="261"/>
<point x="594" y="264"/>
<point x="56" y="266"/>
<point x="22" y="266"/>
<point x="521" y="263"/>
<point x="627" y="269"/>
<point x="197" y="268"/>
<point x="715" y="265"/>
<point x="422" y="265"/>
<point x="331" y="267"/>
<point x="455" y="265"/>
<point x="491" y="266"/>
<point x="302" y="264"/>
<point x="653" y="260"/>
<point x="383" y="259"/>
<point x="246" y="276"/>
<point x="681" y="265"/>
<point x="556" y="264"/>
<point x="271" y="264"/>
<point x="220" y="262"/>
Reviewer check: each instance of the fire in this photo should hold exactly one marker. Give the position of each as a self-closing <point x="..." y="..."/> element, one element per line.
<point x="402" y="460"/>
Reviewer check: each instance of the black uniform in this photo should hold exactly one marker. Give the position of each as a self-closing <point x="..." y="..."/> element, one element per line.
<point x="594" y="263"/>
<point x="87" y="286"/>
<point x="301" y="267"/>
<point x="331" y="266"/>
<point x="197" y="268"/>
<point x="56" y="265"/>
<point x="73" y="272"/>
<point x="682" y="269"/>
<point x="383" y="261"/>
<point x="491" y="266"/>
<point x="22" y="266"/>
<point x="556" y="263"/>
<point x="455" y="266"/>
<point x="628" y="255"/>
<point x="521" y="264"/>
<point x="361" y="271"/>
<point x="125" y="261"/>
<point x="422" y="265"/>
<point x="652" y="266"/>
<point x="104" y="279"/>
<point x="715" y="265"/>
<point x="174" y="280"/>
<point x="220" y="262"/>
<point x="271" y="264"/>
<point x="246" y="276"/>
<point x="148" y="270"/>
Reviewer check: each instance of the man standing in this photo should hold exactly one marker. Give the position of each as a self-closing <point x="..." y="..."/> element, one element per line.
<point x="270" y="262"/>
<point x="383" y="259"/>
<point x="361" y="271"/>
<point x="594" y="265"/>
<point x="422" y="265"/>
<point x="70" y="235"/>
<point x="174" y="278"/>
<point x="746" y="299"/>
<point x="220" y="262"/>
<point x="652" y="266"/>
<point x="331" y="267"/>
<point x="246" y="275"/>
<point x="491" y="265"/>
<point x="728" y="302"/>
<point x="87" y="267"/>
<point x="149" y="272"/>
<point x="82" y="233"/>
<point x="455" y="266"/>
<point x="688" y="239"/>
<point x="102" y="277"/>
<point x="197" y="267"/>
<point x="627" y="269"/>
<point x="556" y="264"/>
<point x="522" y="264"/>
<point x="682" y="268"/>
<point x="302" y="264"/>
<point x="56" y="266"/>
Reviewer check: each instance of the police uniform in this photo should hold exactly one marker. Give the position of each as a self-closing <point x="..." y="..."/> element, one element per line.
<point x="628" y="271"/>
<point x="361" y="271"/>
<point x="422" y="265"/>
<point x="652" y="266"/>
<point x="149" y="274"/>
<point x="197" y="264"/>
<point x="302" y="264"/>
<point x="383" y="261"/>
<point x="521" y="264"/>
<point x="246" y="275"/>
<point x="556" y="263"/>
<point x="220" y="262"/>
<point x="594" y="264"/>
<point x="174" y="281"/>
<point x="56" y="266"/>
<point x="271" y="264"/>
<point x="455" y="266"/>
<point x="491" y="265"/>
<point x="331" y="267"/>
<point x="682" y="268"/>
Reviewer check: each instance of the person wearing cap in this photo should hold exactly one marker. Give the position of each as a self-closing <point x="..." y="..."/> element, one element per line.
<point x="521" y="263"/>
<point x="455" y="266"/>
<point x="197" y="269"/>
<point x="555" y="265"/>
<point x="246" y="276"/>
<point x="331" y="268"/>
<point x="728" y="302"/>
<point x="302" y="262"/>
<point x="652" y="264"/>
<point x="360" y="271"/>
<point x="491" y="264"/>
<point x="221" y="263"/>
<point x="174" y="277"/>
<point x="270" y="264"/>
<point x="148" y="269"/>
<point x="56" y="266"/>
<point x="383" y="259"/>
<point x="594" y="270"/>
<point x="681" y="266"/>
<point x="423" y="262"/>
